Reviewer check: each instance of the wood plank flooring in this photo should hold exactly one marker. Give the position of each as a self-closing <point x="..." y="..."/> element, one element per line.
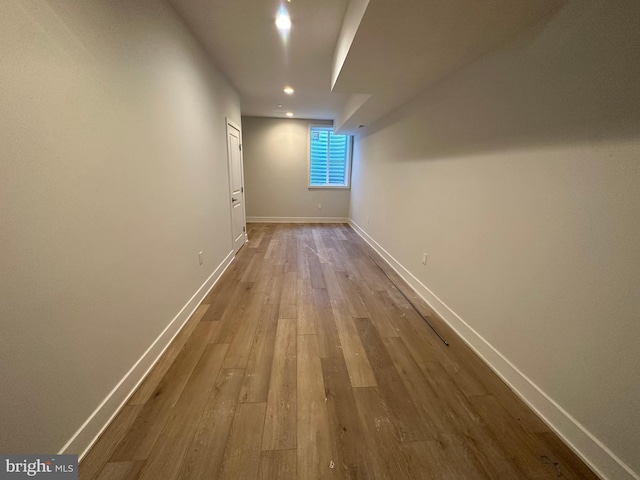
<point x="306" y="362"/>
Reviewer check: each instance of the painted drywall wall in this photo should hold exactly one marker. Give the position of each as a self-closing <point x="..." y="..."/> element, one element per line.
<point x="276" y="172"/>
<point x="519" y="177"/>
<point x="113" y="176"/>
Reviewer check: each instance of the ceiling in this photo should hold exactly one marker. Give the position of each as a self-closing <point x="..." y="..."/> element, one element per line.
<point x="351" y="61"/>
<point x="242" y="38"/>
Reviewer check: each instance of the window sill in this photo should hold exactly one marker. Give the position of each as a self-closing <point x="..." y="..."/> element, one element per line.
<point x="329" y="187"/>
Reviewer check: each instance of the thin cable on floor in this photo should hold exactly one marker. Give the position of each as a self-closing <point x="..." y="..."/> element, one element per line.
<point x="410" y="302"/>
<point x="555" y="464"/>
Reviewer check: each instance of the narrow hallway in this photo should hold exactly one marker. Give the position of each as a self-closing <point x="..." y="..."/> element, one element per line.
<point x="305" y="361"/>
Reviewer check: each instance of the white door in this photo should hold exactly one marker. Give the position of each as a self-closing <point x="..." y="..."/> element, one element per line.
<point x="236" y="185"/>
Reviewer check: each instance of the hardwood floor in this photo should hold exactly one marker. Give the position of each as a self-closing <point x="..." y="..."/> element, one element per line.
<point x="306" y="362"/>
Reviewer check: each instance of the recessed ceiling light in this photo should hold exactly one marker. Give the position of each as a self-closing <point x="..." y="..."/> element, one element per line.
<point x="283" y="21"/>
<point x="288" y="90"/>
<point x="279" y="105"/>
<point x="289" y="114"/>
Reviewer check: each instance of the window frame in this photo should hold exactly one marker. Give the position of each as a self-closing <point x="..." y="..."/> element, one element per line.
<point x="347" y="173"/>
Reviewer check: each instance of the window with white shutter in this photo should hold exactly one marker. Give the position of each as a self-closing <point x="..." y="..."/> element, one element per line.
<point x="329" y="158"/>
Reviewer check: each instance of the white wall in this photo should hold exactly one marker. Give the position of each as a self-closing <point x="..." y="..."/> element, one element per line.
<point x="113" y="175"/>
<point x="276" y="172"/>
<point x="519" y="176"/>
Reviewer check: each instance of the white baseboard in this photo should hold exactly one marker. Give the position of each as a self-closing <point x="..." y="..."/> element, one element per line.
<point x="602" y="460"/>
<point x="297" y="220"/>
<point x="102" y="416"/>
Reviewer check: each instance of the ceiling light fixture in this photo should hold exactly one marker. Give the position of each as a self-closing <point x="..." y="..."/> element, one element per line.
<point x="288" y="90"/>
<point x="283" y="21"/>
<point x="289" y="114"/>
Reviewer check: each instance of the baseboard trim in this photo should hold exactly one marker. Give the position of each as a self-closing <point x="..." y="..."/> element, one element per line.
<point x="592" y="451"/>
<point x="103" y="415"/>
<point x="297" y="220"/>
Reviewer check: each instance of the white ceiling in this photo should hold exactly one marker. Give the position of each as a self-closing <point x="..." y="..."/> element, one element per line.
<point x="242" y="38"/>
<point x="387" y="51"/>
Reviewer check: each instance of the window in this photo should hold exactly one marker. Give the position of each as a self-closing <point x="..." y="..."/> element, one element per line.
<point x="329" y="158"/>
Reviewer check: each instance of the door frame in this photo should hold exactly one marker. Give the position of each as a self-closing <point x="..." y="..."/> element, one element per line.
<point x="231" y="124"/>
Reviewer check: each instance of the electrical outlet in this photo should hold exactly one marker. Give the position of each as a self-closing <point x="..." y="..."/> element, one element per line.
<point x="319" y="206"/>
<point x="424" y="258"/>
<point x="200" y="258"/>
